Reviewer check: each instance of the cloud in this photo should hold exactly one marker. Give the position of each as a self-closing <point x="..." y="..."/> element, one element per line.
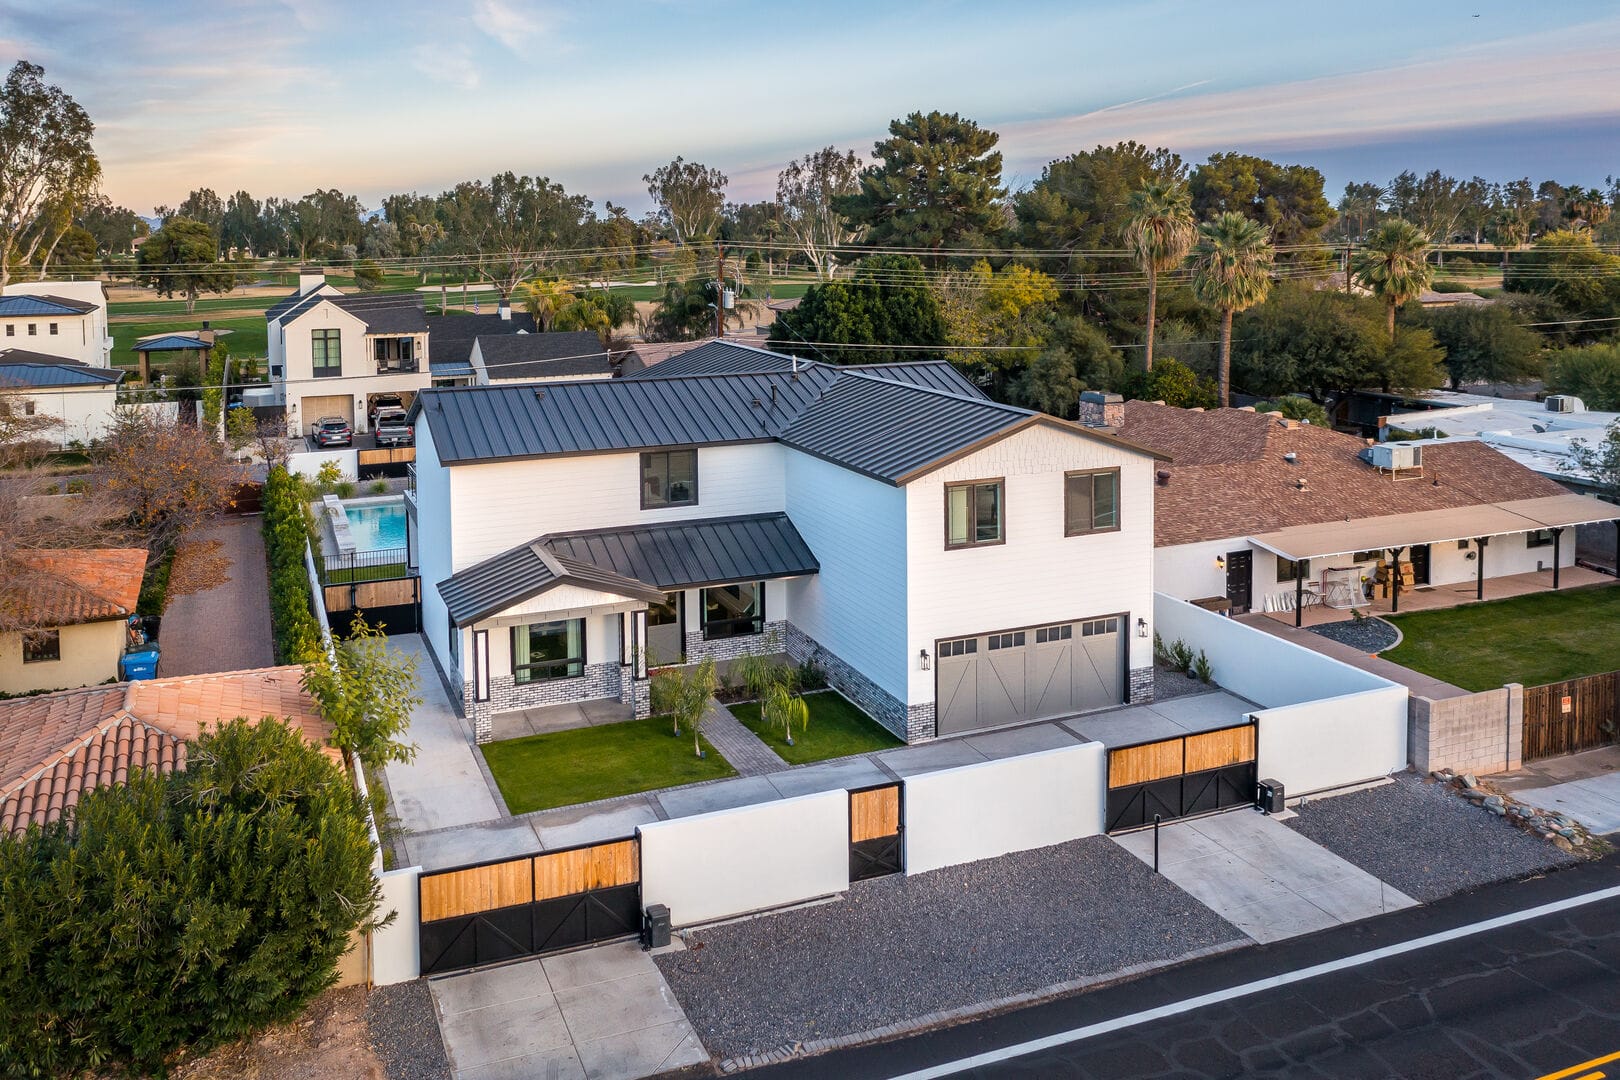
<point x="515" y="25"/>
<point x="451" y="65"/>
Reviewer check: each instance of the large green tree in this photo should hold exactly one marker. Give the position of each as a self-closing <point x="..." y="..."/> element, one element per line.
<point x="1567" y="268"/>
<point x="1394" y="265"/>
<point x="182" y="258"/>
<point x="887" y="302"/>
<point x="807" y="194"/>
<point x="114" y="227"/>
<point x="1159" y="233"/>
<point x="1231" y="273"/>
<point x="1590" y="372"/>
<point x="1288" y="199"/>
<point x="1484" y="343"/>
<point x="511" y="227"/>
<point x="936" y="181"/>
<point x="48" y="168"/>
<point x="690" y="197"/>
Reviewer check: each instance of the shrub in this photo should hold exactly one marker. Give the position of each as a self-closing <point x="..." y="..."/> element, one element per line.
<point x="366" y="694"/>
<point x="185" y="910"/>
<point x="1202" y="668"/>
<point x="379" y="487"/>
<point x="288" y="531"/>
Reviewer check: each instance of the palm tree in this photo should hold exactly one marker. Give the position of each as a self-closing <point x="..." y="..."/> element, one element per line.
<point x="1394" y="265"/>
<point x="1511" y="228"/>
<point x="1160" y="232"/>
<point x="1232" y="273"/>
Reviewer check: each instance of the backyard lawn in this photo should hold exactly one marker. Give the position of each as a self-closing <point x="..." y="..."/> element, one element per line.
<point x="560" y="768"/>
<point x="1535" y="639"/>
<point x="837" y="729"/>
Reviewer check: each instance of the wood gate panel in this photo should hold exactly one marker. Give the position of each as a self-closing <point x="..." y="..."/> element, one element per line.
<point x="1179" y="777"/>
<point x="876" y="821"/>
<point x="1571" y="716"/>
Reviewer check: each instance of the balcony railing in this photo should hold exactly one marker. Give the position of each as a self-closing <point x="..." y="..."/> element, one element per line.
<point x="382" y="565"/>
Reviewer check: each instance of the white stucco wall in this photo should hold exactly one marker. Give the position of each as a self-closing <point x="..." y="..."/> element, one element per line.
<point x="396" y="949"/>
<point x="78" y="337"/>
<point x="90" y="654"/>
<point x="86" y="412"/>
<point x="432" y="528"/>
<point x="1038" y="575"/>
<point x="1335" y="741"/>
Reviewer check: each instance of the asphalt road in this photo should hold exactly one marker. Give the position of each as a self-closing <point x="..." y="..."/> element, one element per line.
<point x="1535" y="999"/>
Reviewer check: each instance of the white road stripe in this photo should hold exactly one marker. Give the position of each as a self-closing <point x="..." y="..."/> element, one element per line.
<point x="1103" y="1027"/>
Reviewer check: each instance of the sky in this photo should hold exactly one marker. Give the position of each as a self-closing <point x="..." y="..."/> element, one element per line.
<point x="280" y="97"/>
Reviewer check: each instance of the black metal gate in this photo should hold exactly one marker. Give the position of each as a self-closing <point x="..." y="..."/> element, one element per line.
<point x="876" y="822"/>
<point x="1181" y="777"/>
<point x="488" y="912"/>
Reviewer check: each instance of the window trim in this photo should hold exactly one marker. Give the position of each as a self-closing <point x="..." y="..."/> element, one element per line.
<point x="582" y="659"/>
<point x="1001" y="512"/>
<point x="703" y="611"/>
<point x="54" y="636"/>
<point x="325" y="370"/>
<point x="1076" y="474"/>
<point x="641" y="477"/>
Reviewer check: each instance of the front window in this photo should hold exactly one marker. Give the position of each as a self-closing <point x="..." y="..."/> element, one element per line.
<point x="1287" y="569"/>
<point x="33" y="330"/>
<point x="40" y="645"/>
<point x="669" y="478"/>
<point x="734" y="610"/>
<point x="1090" y="502"/>
<point x="665" y="613"/>
<point x="53" y="329"/>
<point x="1538" y="538"/>
<point x="973" y="514"/>
<point x="326" y="353"/>
<point x="548" y="650"/>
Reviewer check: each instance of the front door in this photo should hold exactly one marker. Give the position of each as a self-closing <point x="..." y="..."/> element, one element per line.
<point x="1240" y="580"/>
<point x="666" y="632"/>
<point x="1420" y="564"/>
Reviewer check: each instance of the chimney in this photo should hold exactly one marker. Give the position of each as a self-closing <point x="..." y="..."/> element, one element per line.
<point x="505" y="310"/>
<point x="310" y="280"/>
<point x="1101" y="410"/>
<point x="205" y="324"/>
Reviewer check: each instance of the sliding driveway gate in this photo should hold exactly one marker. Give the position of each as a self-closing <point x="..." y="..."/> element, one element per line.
<point x="875" y="824"/>
<point x="1179" y="777"/>
<point x="502" y="910"/>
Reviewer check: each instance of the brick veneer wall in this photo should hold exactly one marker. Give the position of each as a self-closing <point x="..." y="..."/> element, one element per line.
<point x="882" y="706"/>
<point x="699" y="649"/>
<point x="1481" y="732"/>
<point x="1141" y="685"/>
<point x="599" y="681"/>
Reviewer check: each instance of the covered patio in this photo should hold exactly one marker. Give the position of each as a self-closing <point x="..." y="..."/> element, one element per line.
<point x="1335" y="591"/>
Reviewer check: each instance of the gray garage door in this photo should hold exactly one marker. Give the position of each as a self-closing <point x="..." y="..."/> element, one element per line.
<point x="1030" y="674"/>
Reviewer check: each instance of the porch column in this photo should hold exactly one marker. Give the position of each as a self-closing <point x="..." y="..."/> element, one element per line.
<point x="1558" y="536"/>
<point x="1395" y="579"/>
<point x="1479" y="579"/>
<point x="1299" y="592"/>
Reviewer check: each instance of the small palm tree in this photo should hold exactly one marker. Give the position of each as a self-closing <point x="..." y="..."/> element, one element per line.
<point x="683" y="694"/>
<point x="1395" y="265"/>
<point x="1232" y="273"/>
<point x="783" y="708"/>
<point x="545" y="299"/>
<point x="1160" y="233"/>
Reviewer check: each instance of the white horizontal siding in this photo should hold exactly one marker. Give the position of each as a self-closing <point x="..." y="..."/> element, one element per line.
<point x="432" y="529"/>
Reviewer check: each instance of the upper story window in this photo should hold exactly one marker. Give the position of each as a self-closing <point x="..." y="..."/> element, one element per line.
<point x="973" y="514"/>
<point x="395" y="354"/>
<point x="1090" y="502"/>
<point x="33" y="329"/>
<point x="53" y="329"/>
<point x="669" y="478"/>
<point x="326" y="353"/>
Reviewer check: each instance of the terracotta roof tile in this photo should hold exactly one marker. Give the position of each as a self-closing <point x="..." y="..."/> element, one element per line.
<point x="64" y="588"/>
<point x="1230" y="477"/>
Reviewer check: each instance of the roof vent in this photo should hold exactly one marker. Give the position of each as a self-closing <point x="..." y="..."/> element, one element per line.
<point x="1164" y="477"/>
<point x="1299" y="483"/>
<point x="539" y="394"/>
<point x="1196" y="408"/>
<point x="1291" y="457"/>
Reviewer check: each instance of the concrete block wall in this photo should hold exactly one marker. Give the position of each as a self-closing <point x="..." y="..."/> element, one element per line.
<point x="1480" y="733"/>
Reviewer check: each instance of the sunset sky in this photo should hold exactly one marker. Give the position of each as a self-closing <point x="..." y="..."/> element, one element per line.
<point x="283" y="97"/>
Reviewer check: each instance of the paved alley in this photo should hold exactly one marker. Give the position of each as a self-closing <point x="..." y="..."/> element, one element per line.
<point x="226" y="627"/>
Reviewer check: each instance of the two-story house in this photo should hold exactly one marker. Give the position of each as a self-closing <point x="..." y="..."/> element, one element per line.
<point x="333" y="354"/>
<point x="951" y="563"/>
<point x="58" y="318"/>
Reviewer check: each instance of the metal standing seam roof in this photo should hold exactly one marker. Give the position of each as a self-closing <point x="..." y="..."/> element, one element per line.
<point x="641" y="562"/>
<point x="735" y="358"/>
<point x="23" y="305"/>
<point x="170" y="343"/>
<point x="52" y="375"/>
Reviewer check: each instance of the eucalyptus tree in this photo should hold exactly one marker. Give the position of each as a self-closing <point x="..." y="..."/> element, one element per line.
<point x="47" y="165"/>
<point x="1394" y="265"/>
<point x="1159" y="233"/>
<point x="1231" y="273"/>
<point x="807" y="193"/>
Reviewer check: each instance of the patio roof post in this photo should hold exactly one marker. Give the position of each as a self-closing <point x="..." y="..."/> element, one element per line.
<point x="1395" y="578"/>
<point x="1299" y="592"/>
<point x="1558" y="536"/>
<point x="1479" y="578"/>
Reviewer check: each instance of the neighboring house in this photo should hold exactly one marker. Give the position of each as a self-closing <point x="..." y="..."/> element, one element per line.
<point x="646" y="354"/>
<point x="952" y="563"/>
<point x="331" y="353"/>
<point x="63" y="618"/>
<point x="174" y="347"/>
<point x="83" y="398"/>
<point x="58" y="318"/>
<point x="453" y="337"/>
<point x="1429" y="298"/>
<point x="1256" y="508"/>
<point x="547" y="357"/>
<point x="55" y="747"/>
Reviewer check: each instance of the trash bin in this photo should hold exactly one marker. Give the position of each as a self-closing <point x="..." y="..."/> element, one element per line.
<point x="1269" y="797"/>
<point x="655" y="927"/>
<point x="140" y="664"/>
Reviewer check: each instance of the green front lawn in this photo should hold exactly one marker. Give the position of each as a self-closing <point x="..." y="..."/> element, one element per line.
<point x="562" y="768"/>
<point x="1540" y="638"/>
<point x="837" y="729"/>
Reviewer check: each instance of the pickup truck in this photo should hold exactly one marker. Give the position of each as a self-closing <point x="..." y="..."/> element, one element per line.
<point x="392" y="429"/>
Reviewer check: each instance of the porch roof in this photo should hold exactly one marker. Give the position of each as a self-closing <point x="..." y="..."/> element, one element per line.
<point x="641" y="561"/>
<point x="1434" y="526"/>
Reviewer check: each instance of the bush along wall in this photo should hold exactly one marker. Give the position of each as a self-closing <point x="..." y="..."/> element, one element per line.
<point x="288" y="529"/>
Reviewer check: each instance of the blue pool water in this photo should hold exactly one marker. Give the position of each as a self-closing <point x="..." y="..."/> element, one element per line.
<point x="378" y="526"/>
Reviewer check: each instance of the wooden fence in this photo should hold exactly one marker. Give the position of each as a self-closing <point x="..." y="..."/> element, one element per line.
<point x="1571" y="716"/>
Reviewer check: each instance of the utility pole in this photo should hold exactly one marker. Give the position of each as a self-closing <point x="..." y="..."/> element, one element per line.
<point x="719" y="291"/>
<point x="1347" y="267"/>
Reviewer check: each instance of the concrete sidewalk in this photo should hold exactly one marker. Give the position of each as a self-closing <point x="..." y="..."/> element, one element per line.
<point x="1594" y="802"/>
<point x="444" y="785"/>
<point x="1262" y="877"/>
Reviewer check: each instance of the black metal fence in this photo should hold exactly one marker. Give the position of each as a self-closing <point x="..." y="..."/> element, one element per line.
<point x="382" y="565"/>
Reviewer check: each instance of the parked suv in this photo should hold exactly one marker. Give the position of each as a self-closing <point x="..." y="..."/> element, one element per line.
<point x="331" y="431"/>
<point x="391" y="428"/>
<point x="378" y="403"/>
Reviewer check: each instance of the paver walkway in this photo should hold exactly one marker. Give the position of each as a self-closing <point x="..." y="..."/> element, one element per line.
<point x="1262" y="877"/>
<point x="1426" y="685"/>
<point x="604" y="1013"/>
<point x="226" y="628"/>
<point x="747" y="752"/>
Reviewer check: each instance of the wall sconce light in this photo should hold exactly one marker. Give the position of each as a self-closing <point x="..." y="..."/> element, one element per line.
<point x="1220" y="562"/>
<point x="1141" y="628"/>
<point x="922" y="659"/>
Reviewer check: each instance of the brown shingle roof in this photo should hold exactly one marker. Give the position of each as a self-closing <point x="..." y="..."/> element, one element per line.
<point x="1230" y="478"/>
<point x="65" y="588"/>
<point x="54" y="747"/>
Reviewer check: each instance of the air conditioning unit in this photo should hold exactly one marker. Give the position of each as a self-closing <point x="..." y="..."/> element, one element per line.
<point x="1565" y="403"/>
<point x="1394" y="456"/>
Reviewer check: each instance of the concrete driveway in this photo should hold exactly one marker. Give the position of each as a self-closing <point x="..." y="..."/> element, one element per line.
<point x="1594" y="802"/>
<point x="1262" y="877"/>
<point x="603" y="1013"/>
<point x="443" y="786"/>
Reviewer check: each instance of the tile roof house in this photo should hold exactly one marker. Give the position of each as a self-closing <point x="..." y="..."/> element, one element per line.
<point x="54" y="747"/>
<point x="729" y="499"/>
<point x="1253" y="505"/>
<point x="63" y="616"/>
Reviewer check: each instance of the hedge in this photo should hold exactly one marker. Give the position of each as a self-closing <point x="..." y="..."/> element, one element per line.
<point x="288" y="531"/>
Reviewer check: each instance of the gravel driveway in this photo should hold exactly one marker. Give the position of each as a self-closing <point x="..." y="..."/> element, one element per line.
<point x="900" y="948"/>
<point x="1423" y="840"/>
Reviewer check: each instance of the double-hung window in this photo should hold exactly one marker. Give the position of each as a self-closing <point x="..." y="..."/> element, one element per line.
<point x="41" y="645"/>
<point x="326" y="353"/>
<point x="548" y="650"/>
<point x="669" y="478"/>
<point x="734" y="610"/>
<point x="973" y="514"/>
<point x="1090" y="502"/>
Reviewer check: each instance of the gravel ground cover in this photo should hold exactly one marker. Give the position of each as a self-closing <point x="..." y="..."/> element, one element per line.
<point x="1169" y="684"/>
<point x="1369" y="635"/>
<point x="1423" y="840"/>
<point x="404" y="1032"/>
<point x="899" y="948"/>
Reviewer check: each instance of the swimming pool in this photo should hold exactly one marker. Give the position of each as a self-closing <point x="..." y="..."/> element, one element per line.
<point x="377" y="526"/>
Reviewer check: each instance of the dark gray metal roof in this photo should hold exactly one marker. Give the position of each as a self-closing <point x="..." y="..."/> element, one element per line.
<point x="642" y="562"/>
<point x="512" y="357"/>
<point x="171" y="343"/>
<point x="450" y="337"/>
<point x="385" y="314"/>
<point x="23" y="304"/>
<point x="733" y="358"/>
<point x="289" y="308"/>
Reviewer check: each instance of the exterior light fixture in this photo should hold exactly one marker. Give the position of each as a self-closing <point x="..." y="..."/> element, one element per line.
<point x="922" y="659"/>
<point x="1141" y="628"/>
<point x="1220" y="562"/>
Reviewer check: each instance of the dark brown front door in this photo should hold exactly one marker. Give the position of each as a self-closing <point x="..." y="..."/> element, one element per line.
<point x="1240" y="580"/>
<point x="1420" y="564"/>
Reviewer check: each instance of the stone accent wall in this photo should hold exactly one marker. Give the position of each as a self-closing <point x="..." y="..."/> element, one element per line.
<point x="1141" y="685"/>
<point x="599" y="681"/>
<point x="921" y="723"/>
<point x="1481" y="732"/>
<point x="698" y="649"/>
<point x="638" y="691"/>
<point x="885" y="708"/>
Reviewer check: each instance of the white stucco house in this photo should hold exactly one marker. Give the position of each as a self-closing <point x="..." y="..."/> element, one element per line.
<point x="58" y="318"/>
<point x="83" y="398"/>
<point x="951" y="563"/>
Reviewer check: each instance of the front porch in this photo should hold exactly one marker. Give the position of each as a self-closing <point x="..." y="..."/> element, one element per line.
<point x="1432" y="597"/>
